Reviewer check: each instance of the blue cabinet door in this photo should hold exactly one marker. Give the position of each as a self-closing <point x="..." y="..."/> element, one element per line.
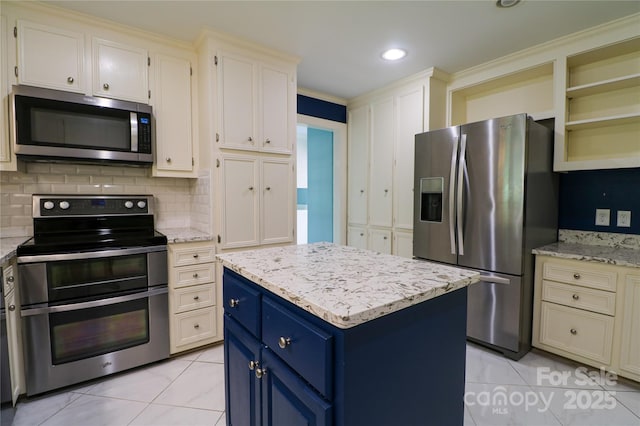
<point x="287" y="399"/>
<point x="241" y="385"/>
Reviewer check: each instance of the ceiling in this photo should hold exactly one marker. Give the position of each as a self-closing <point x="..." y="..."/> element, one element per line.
<point x="340" y="42"/>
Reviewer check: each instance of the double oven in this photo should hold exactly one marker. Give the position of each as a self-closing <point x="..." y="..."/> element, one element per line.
<point x="93" y="289"/>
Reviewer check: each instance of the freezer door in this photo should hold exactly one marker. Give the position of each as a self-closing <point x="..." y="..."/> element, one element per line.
<point x="491" y="212"/>
<point x="436" y="154"/>
<point x="493" y="311"/>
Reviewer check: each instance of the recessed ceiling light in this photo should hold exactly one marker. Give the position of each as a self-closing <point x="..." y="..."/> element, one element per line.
<point x="394" y="54"/>
<point x="507" y="3"/>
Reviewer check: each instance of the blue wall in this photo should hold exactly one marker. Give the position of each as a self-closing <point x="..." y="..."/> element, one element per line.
<point x="322" y="109"/>
<point x="582" y="192"/>
<point x="320" y="182"/>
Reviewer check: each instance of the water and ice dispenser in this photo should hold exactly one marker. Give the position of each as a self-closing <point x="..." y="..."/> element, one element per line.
<point x="431" y="199"/>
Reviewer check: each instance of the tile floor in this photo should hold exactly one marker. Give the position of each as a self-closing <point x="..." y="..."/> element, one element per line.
<point x="537" y="390"/>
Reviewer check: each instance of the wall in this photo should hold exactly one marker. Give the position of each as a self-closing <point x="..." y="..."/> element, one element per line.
<point x="582" y="192"/>
<point x="322" y="109"/>
<point x="179" y="202"/>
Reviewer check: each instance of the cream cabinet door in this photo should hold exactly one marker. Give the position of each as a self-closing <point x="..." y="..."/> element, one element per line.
<point x="409" y="121"/>
<point x="277" y="201"/>
<point x="237" y="101"/>
<point x="403" y="244"/>
<point x="630" y="338"/>
<point x="240" y="201"/>
<point x="7" y="160"/>
<point x="171" y="102"/>
<point x="14" y="335"/>
<point x="380" y="240"/>
<point x="358" y="165"/>
<point x="381" y="169"/>
<point x="50" y="57"/>
<point x="120" y="71"/>
<point x="357" y="237"/>
<point x="276" y="119"/>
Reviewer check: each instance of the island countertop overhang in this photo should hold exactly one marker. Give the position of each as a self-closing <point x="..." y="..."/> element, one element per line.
<point x="343" y="285"/>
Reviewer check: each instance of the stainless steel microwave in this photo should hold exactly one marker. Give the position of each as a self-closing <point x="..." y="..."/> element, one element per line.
<point x="61" y="126"/>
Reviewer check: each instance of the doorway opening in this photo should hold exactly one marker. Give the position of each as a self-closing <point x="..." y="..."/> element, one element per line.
<point x="315" y="207"/>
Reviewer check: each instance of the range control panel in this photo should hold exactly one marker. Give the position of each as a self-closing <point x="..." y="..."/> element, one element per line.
<point x="91" y="205"/>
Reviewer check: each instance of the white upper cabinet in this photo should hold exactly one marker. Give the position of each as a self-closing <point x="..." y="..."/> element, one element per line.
<point x="358" y="165"/>
<point x="381" y="170"/>
<point x="171" y="102"/>
<point x="409" y="122"/>
<point x="120" y="71"/>
<point x="257" y="104"/>
<point x="238" y="100"/>
<point x="277" y="201"/>
<point x="50" y="57"/>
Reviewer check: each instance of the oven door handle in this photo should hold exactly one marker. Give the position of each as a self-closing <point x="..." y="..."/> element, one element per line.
<point x="95" y="303"/>
<point x="90" y="254"/>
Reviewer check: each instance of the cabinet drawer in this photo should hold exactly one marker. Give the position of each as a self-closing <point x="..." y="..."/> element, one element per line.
<point x="190" y="298"/>
<point x="305" y="347"/>
<point x="193" y="275"/>
<point x="581" y="274"/>
<point x="193" y="256"/>
<point x="193" y="326"/>
<point x="241" y="302"/>
<point x="600" y="301"/>
<point x="583" y="333"/>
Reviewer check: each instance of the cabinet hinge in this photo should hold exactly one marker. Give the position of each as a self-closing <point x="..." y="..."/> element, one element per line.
<point x="190" y="71"/>
<point x="215" y="60"/>
<point x="15" y="32"/>
<point x="193" y="161"/>
<point x="148" y="61"/>
<point x="217" y="162"/>
<point x="217" y="137"/>
<point x="15" y="70"/>
<point x="149" y="94"/>
<point x="219" y="239"/>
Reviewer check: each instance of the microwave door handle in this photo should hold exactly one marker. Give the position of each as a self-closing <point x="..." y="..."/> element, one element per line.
<point x="460" y="206"/>
<point x="452" y="204"/>
<point x="133" y="119"/>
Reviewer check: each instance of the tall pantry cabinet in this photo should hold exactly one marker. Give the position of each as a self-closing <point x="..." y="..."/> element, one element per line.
<point x="381" y="129"/>
<point x="248" y="124"/>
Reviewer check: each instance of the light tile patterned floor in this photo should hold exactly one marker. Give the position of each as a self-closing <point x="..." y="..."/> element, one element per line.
<point x="189" y="390"/>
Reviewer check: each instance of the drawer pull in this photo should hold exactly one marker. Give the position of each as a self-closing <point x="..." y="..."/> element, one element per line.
<point x="196" y="326"/>
<point x="234" y="303"/>
<point x="195" y="256"/>
<point x="576" y="276"/>
<point x="253" y="365"/>
<point x="575" y="297"/>
<point x="12" y="308"/>
<point x="10" y="279"/>
<point x="574" y="331"/>
<point x="260" y="372"/>
<point x="195" y="275"/>
<point x="283" y="342"/>
<point x="196" y="297"/>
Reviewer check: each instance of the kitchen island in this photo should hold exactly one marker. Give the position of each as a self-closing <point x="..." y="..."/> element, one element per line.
<point x="326" y="334"/>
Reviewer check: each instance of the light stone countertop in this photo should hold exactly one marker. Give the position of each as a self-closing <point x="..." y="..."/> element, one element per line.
<point x="8" y="247"/>
<point x="592" y="253"/>
<point x="185" y="235"/>
<point x="346" y="286"/>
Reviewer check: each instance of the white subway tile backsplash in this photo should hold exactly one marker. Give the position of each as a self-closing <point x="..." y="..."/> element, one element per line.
<point x="37" y="168"/>
<point x="49" y="178"/>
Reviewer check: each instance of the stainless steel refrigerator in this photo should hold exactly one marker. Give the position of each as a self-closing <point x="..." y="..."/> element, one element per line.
<point x="485" y="196"/>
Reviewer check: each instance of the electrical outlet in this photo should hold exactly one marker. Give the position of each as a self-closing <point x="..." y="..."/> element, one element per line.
<point x="624" y="218"/>
<point x="603" y="217"/>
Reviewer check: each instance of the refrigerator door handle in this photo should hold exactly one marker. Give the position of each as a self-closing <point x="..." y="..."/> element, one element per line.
<point x="452" y="204"/>
<point x="495" y="280"/>
<point x="460" y="207"/>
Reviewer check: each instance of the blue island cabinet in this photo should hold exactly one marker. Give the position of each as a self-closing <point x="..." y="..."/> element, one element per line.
<point x="285" y="366"/>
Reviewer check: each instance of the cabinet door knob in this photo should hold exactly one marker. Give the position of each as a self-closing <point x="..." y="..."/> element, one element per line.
<point x="576" y="276"/>
<point x="168" y="159"/>
<point x="260" y="372"/>
<point x="362" y="191"/>
<point x="576" y="297"/>
<point x="251" y="188"/>
<point x="195" y="275"/>
<point x="105" y="86"/>
<point x="384" y="238"/>
<point x="249" y="139"/>
<point x="574" y="331"/>
<point x="283" y="342"/>
<point x="70" y="80"/>
<point x="196" y="325"/>
<point x="12" y="308"/>
<point x="195" y="256"/>
<point x="386" y="190"/>
<point x="196" y="297"/>
<point x="253" y="365"/>
<point x="267" y="141"/>
<point x="10" y="279"/>
<point x="268" y="188"/>
<point x="234" y="303"/>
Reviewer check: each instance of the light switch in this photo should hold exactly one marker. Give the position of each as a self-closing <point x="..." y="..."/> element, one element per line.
<point x="603" y="217"/>
<point x="624" y="218"/>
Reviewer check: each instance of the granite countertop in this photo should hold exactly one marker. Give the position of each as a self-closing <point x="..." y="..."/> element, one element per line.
<point x="8" y="247"/>
<point x="346" y="286"/>
<point x="601" y="247"/>
<point x="185" y="235"/>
